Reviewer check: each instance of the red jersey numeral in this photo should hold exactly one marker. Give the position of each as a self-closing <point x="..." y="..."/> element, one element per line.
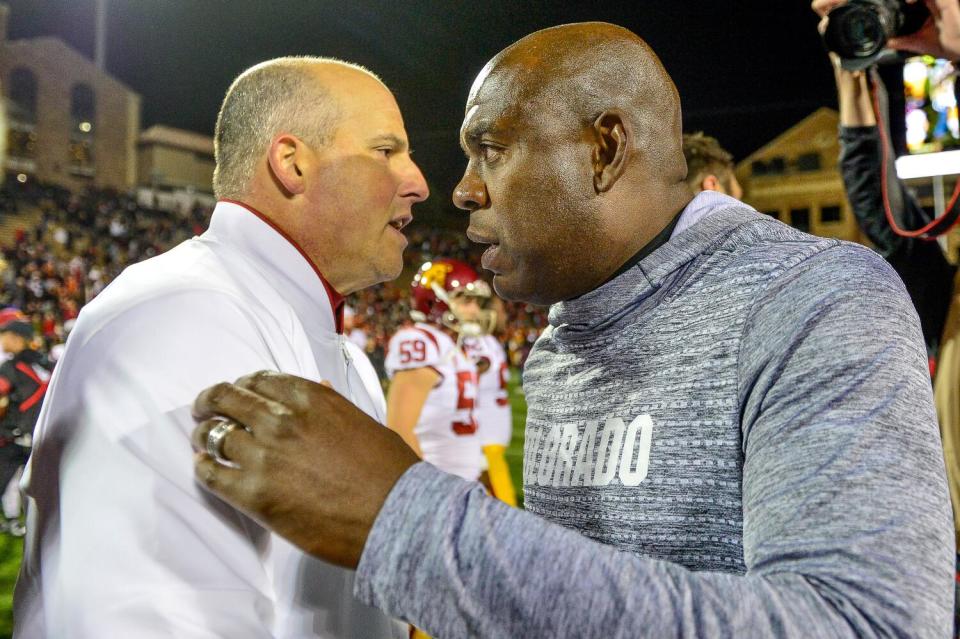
<point x="412" y="350"/>
<point x="503" y="399"/>
<point x="466" y="393"/>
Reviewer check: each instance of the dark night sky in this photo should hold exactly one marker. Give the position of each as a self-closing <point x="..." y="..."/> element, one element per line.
<point x="746" y="69"/>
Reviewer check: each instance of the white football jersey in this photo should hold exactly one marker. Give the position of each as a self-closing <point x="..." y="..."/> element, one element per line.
<point x="447" y="428"/>
<point x="493" y="403"/>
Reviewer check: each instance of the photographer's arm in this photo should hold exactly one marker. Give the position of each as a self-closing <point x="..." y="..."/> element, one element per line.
<point x="853" y="96"/>
<point x="861" y="155"/>
<point x="920" y="264"/>
<point x="861" y="152"/>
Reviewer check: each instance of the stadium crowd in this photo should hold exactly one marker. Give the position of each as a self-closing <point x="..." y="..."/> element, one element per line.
<point x="82" y="241"/>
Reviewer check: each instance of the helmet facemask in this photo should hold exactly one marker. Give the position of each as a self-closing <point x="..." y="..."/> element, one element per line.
<point x="481" y="322"/>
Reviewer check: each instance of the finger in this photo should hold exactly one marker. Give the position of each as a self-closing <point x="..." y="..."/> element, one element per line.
<point x="823" y="7"/>
<point x="245" y="407"/>
<point x="902" y="43"/>
<point x="279" y="387"/>
<point x="223" y="481"/>
<point x="290" y="390"/>
<point x="238" y="445"/>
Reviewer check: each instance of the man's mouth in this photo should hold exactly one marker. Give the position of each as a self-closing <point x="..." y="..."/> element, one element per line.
<point x="401" y="221"/>
<point x="489" y="257"/>
<point x="481" y="238"/>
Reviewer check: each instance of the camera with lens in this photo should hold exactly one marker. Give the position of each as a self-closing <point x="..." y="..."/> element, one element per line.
<point x="858" y="31"/>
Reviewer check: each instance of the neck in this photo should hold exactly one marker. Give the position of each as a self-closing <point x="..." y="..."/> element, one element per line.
<point x="671" y="202"/>
<point x="334" y="293"/>
<point x="277" y="208"/>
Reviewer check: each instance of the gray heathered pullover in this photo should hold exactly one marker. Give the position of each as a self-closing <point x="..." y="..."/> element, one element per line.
<point x="737" y="438"/>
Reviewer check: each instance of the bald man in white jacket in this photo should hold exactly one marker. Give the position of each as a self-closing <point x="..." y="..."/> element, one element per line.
<point x="121" y="541"/>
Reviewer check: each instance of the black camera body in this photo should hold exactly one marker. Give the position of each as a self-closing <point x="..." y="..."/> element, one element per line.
<point x="858" y="31"/>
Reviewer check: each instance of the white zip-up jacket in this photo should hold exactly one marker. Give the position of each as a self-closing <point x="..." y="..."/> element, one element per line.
<point x="121" y="540"/>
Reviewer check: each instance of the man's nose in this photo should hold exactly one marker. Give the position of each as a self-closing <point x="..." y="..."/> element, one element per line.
<point x="471" y="193"/>
<point x="414" y="185"/>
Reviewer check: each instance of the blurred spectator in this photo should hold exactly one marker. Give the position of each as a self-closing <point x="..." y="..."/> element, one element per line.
<point x="80" y="243"/>
<point x="23" y="383"/>
<point x="709" y="166"/>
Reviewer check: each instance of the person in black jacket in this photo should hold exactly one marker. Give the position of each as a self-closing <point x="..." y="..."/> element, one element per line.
<point x="23" y="383"/>
<point x="921" y="264"/>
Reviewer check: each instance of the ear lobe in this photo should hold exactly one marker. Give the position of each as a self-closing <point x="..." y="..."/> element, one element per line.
<point x="614" y="143"/>
<point x="710" y="183"/>
<point x="284" y="156"/>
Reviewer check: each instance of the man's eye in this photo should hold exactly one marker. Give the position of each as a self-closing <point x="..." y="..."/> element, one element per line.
<point x="386" y="151"/>
<point x="490" y="153"/>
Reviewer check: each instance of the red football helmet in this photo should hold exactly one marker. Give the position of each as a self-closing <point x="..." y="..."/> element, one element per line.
<point x="437" y="283"/>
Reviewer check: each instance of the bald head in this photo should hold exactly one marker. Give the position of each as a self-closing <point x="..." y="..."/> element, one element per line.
<point x="575" y="160"/>
<point x="582" y="70"/>
<point x="295" y="95"/>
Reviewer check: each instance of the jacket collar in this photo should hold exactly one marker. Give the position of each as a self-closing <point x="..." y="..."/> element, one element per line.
<point x="638" y="285"/>
<point x="284" y="263"/>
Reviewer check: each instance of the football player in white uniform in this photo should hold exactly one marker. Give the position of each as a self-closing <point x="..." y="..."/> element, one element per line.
<point x="492" y="408"/>
<point x="433" y="386"/>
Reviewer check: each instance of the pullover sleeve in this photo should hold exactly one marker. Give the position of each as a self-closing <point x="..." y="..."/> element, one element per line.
<point x="847" y="529"/>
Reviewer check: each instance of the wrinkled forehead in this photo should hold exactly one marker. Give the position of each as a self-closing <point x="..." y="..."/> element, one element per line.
<point x="510" y="99"/>
<point x="492" y="96"/>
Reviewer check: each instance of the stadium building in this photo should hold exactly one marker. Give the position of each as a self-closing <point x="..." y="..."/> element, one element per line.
<point x="175" y="168"/>
<point x="796" y="178"/>
<point x="70" y="123"/>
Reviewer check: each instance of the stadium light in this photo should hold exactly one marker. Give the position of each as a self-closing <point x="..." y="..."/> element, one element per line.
<point x="928" y="165"/>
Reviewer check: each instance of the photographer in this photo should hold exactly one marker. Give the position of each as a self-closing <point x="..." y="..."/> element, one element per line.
<point x="939" y="36"/>
<point x="920" y="263"/>
<point x="928" y="276"/>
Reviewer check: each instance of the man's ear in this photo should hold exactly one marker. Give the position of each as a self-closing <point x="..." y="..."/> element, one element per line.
<point x="285" y="156"/>
<point x="612" y="150"/>
<point x="711" y="183"/>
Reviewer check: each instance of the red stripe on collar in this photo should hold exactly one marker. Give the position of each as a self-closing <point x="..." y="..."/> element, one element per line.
<point x="336" y="299"/>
